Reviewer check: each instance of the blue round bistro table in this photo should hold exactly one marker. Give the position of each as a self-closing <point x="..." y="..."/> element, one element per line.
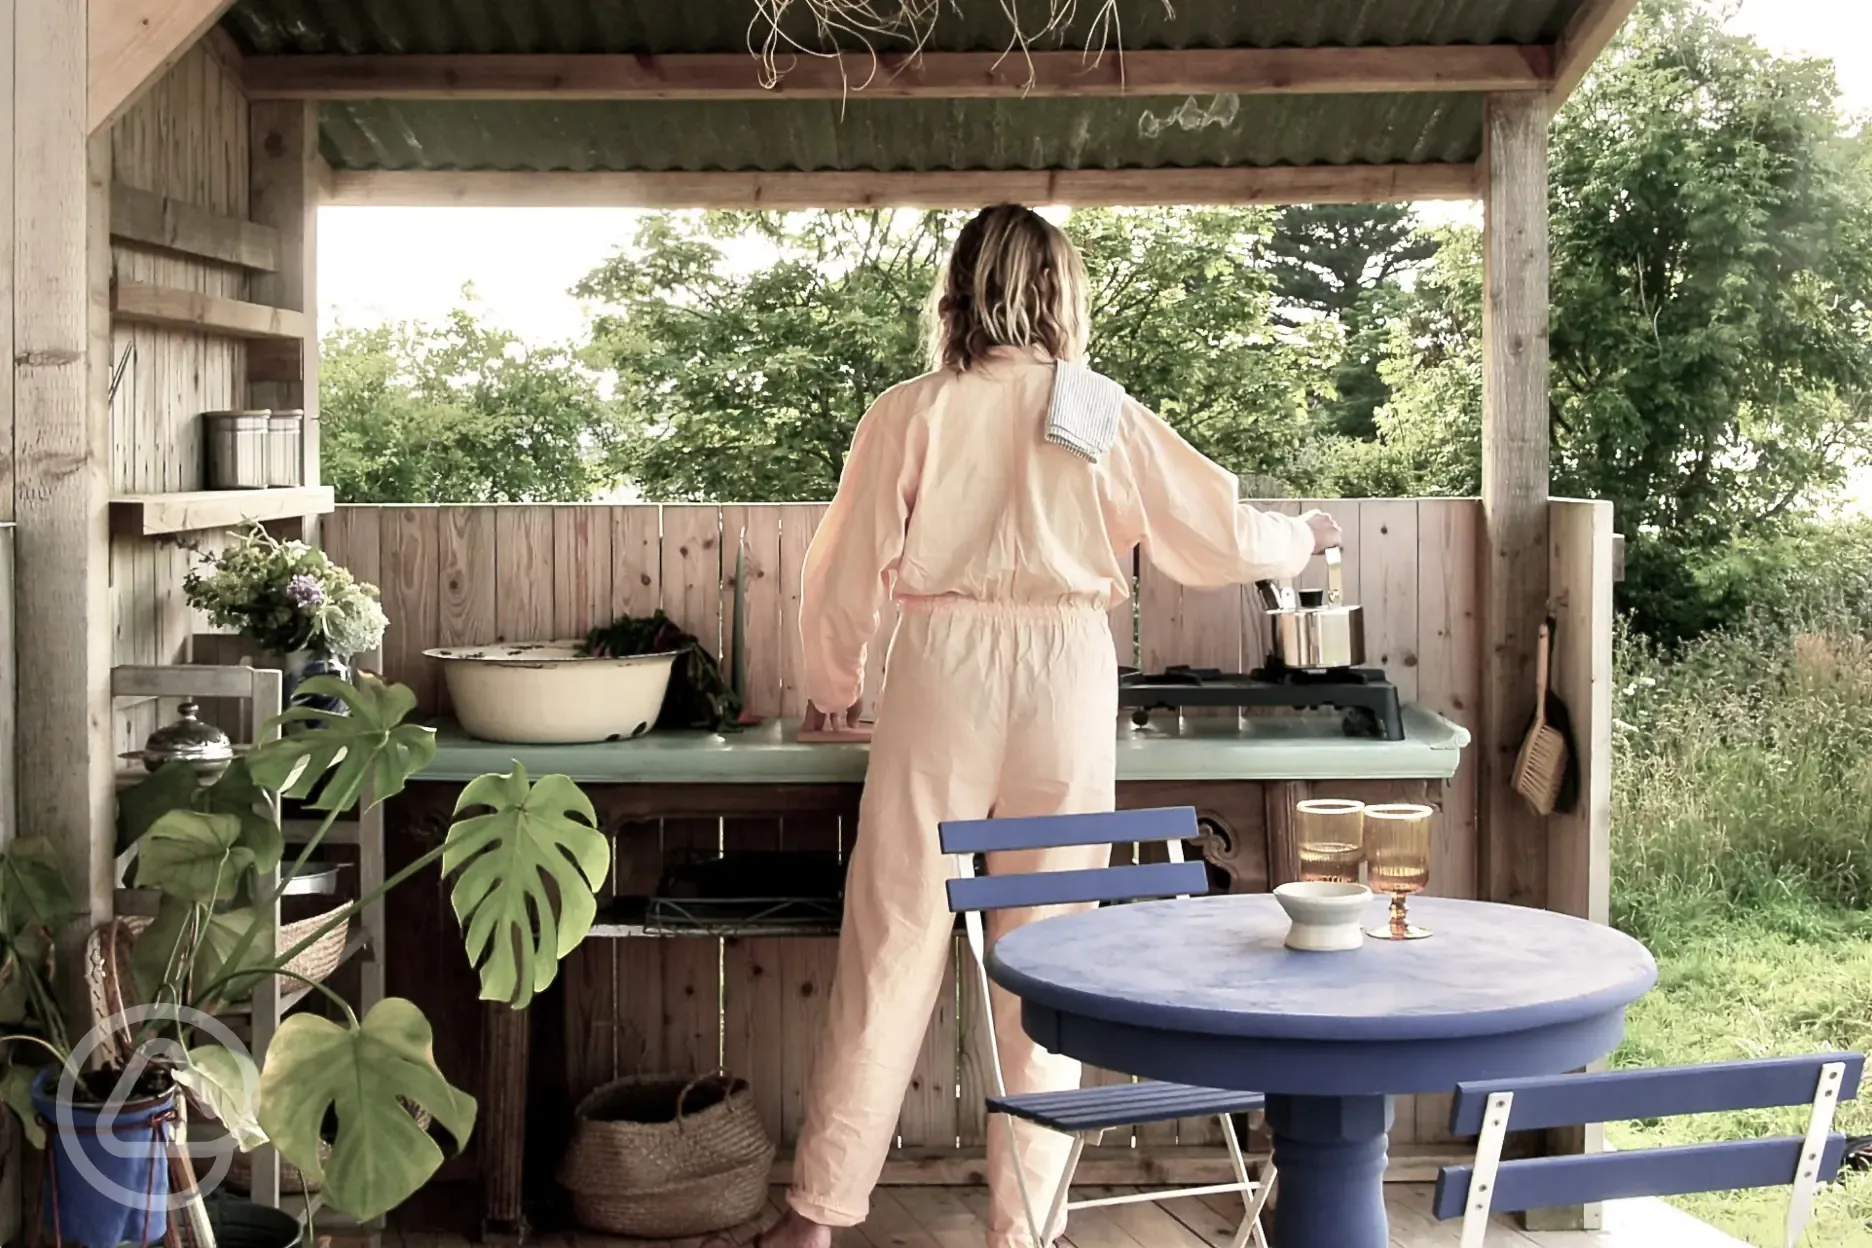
<point x="1203" y="991"/>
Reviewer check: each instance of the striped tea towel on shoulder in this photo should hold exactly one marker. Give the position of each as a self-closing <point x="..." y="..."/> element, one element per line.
<point x="1083" y="413"/>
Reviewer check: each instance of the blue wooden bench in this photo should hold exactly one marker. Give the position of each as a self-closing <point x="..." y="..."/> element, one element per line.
<point x="1087" y="1113"/>
<point x="1490" y="1110"/>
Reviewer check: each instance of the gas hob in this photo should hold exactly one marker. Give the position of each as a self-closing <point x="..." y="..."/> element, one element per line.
<point x="1366" y="700"/>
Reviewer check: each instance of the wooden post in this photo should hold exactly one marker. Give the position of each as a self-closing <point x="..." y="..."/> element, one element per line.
<point x="1513" y="848"/>
<point x="61" y="360"/>
<point x="283" y="184"/>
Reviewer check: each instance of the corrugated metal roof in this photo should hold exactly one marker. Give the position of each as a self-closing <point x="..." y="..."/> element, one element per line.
<point x="662" y="26"/>
<point x="786" y="134"/>
<point x="888" y="135"/>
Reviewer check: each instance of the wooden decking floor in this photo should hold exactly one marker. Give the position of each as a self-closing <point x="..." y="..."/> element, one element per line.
<point x="956" y="1217"/>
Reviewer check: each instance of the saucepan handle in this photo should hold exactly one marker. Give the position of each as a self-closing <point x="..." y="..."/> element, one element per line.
<point x="1335" y="580"/>
<point x="1270" y="595"/>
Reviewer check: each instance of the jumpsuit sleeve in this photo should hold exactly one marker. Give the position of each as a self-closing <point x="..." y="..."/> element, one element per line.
<point x="1186" y="511"/>
<point x="853" y="557"/>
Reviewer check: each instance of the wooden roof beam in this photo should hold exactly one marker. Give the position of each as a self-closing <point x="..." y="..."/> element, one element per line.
<point x="1585" y="37"/>
<point x="133" y="42"/>
<point x="1285" y="184"/>
<point x="934" y="75"/>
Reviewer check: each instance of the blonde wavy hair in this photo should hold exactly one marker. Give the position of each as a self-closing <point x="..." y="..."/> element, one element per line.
<point x="1012" y="280"/>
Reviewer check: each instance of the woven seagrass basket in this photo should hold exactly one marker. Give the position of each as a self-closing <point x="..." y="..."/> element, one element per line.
<point x="659" y="1157"/>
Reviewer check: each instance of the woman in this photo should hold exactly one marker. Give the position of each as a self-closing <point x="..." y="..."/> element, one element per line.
<point x="998" y="499"/>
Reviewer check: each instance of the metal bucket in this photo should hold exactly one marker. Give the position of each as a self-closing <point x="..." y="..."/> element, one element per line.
<point x="236" y="450"/>
<point x="285" y="448"/>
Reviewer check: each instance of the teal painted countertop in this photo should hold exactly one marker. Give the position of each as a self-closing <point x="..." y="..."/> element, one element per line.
<point x="1257" y="748"/>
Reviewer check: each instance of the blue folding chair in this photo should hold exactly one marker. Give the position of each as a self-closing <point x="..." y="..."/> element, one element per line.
<point x="1086" y="1114"/>
<point x="1491" y="1110"/>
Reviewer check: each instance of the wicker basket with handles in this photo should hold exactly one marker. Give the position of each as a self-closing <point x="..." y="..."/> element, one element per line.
<point x="112" y="944"/>
<point x="663" y="1156"/>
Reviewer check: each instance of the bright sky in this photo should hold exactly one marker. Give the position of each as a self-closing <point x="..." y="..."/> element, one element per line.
<point x="411" y="263"/>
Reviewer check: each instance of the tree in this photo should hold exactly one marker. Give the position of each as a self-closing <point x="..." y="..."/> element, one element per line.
<point x="1429" y="430"/>
<point x="748" y="386"/>
<point x="1712" y="342"/>
<point x="1710" y="329"/>
<point x="1344" y="261"/>
<point x="461" y="412"/>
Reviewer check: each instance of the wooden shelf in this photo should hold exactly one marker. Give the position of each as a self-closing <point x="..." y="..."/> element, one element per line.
<point x="144" y="304"/>
<point x="153" y="220"/>
<point x="146" y="515"/>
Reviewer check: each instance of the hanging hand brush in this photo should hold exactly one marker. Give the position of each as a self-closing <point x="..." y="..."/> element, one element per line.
<point x="1547" y="769"/>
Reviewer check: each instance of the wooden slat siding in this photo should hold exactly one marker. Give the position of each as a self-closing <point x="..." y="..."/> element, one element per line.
<point x="807" y="966"/>
<point x="1448" y="682"/>
<point x="751" y="968"/>
<point x="581" y="570"/>
<point x="692" y="570"/>
<point x="1387" y="589"/>
<point x="187" y="139"/>
<point x="753" y="1003"/>
<point x="1579" y="844"/>
<point x="465" y="575"/>
<point x="928" y="1119"/>
<point x="765" y="610"/>
<point x="412" y="553"/>
<point x="523" y="551"/>
<point x="692" y="583"/>
<point x="634" y="999"/>
<point x="797" y="523"/>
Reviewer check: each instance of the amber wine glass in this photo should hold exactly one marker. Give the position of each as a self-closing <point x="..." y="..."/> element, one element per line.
<point x="1397" y="861"/>
<point x="1332" y="839"/>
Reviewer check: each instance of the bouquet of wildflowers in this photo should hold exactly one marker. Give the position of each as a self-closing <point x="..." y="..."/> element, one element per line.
<point x="286" y="596"/>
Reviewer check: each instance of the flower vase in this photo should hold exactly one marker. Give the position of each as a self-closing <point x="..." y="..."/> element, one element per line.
<point x="303" y="665"/>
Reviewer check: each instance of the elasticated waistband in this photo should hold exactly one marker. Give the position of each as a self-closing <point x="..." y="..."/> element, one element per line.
<point x="1003" y="609"/>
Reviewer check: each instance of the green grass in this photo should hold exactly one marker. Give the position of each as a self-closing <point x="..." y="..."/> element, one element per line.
<point x="1743" y="858"/>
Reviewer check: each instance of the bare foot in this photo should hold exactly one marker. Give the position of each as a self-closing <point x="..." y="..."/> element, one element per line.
<point x="795" y="1231"/>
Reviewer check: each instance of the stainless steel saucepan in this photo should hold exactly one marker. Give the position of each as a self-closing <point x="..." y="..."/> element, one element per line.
<point x="1314" y="631"/>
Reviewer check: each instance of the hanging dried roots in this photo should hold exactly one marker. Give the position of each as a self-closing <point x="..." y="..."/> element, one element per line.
<point x="838" y="25"/>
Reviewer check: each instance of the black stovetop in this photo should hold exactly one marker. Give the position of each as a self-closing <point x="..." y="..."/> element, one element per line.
<point x="1365" y="698"/>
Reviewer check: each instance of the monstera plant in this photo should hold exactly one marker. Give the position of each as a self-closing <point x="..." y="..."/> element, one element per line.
<point x="337" y="1096"/>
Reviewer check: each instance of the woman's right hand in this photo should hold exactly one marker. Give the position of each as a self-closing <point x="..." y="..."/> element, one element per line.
<point x="1326" y="534"/>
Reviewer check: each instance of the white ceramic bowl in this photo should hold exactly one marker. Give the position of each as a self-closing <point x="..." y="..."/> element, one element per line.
<point x="1327" y="918"/>
<point x="547" y="693"/>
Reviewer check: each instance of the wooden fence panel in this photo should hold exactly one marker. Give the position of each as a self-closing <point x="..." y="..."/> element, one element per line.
<point x="460" y="575"/>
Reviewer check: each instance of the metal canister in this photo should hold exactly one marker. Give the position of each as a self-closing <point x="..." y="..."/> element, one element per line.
<point x="285" y="447"/>
<point x="237" y="450"/>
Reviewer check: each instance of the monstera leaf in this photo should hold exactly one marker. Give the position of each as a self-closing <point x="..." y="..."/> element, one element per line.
<point x="172" y="936"/>
<point x="379" y="1155"/>
<point x="237" y="794"/>
<point x="526" y="859"/>
<point x="33" y="892"/>
<point x="227" y="1085"/>
<point x="174" y="786"/>
<point x="370" y="742"/>
<point x="193" y="856"/>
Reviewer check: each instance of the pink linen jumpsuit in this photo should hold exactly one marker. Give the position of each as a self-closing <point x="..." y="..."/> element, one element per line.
<point x="1005" y="554"/>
